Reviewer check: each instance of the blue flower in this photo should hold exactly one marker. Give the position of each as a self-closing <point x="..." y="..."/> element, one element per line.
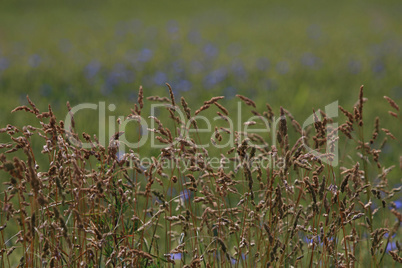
<point x="238" y="69"/>
<point x="315" y="238"/>
<point x="378" y="66"/>
<point x="210" y="50"/>
<point x="234" y="261"/>
<point x="309" y="240"/>
<point x="176" y="256"/>
<point x="391" y="246"/>
<point x="354" y="66"/>
<point x="92" y="69"/>
<point x="229" y="92"/>
<point x="398" y="204"/>
<point x="115" y="77"/>
<point x="185" y="195"/>
<point x="160" y="78"/>
<point x="172" y="27"/>
<point x="34" y="60"/>
<point x="387" y="234"/>
<point x="4" y="64"/>
<point x="184" y="85"/>
<point x="310" y="60"/>
<point x="120" y="155"/>
<point x="123" y="73"/>
<point x="215" y="77"/>
<point x="145" y="55"/>
<point x="177" y="66"/>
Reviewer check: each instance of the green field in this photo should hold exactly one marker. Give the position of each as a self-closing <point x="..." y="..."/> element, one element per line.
<point x="299" y="56"/>
<point x="296" y="55"/>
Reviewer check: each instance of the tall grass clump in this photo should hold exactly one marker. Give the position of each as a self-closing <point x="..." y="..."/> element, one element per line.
<point x="246" y="200"/>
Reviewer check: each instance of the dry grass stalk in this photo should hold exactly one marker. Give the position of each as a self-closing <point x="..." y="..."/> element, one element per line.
<point x="392" y="103"/>
<point x="246" y="100"/>
<point x="88" y="207"/>
<point x="141" y="97"/>
<point x="171" y="95"/>
<point x="202" y="108"/>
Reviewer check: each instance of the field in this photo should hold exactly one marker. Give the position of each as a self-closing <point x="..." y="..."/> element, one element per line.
<point x="170" y="202"/>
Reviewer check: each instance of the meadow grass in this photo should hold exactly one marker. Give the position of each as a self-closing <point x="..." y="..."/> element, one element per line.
<point x="299" y="56"/>
<point x="267" y="201"/>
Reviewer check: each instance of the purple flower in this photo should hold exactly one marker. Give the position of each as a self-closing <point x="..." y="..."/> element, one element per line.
<point x="184" y="85"/>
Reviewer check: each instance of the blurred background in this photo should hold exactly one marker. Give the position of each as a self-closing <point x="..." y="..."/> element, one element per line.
<point x="297" y="55"/>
